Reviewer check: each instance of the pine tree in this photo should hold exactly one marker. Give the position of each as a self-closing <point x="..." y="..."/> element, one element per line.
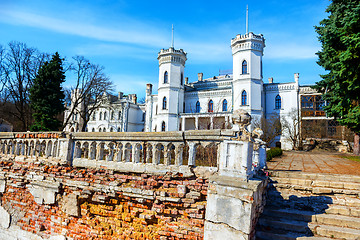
<point x="47" y="96"/>
<point x="339" y="35"/>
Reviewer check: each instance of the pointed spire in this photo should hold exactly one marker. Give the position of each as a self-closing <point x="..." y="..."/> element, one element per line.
<point x="172" y="35"/>
<point x="247" y="18"/>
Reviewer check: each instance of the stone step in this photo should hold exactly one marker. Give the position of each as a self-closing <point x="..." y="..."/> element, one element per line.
<point x="311" y="217"/>
<point x="315" y="176"/>
<point x="316" y="190"/>
<point x="265" y="235"/>
<point x="348" y="185"/>
<point x="337" y="232"/>
<point x="292" y="196"/>
<point x="284" y="225"/>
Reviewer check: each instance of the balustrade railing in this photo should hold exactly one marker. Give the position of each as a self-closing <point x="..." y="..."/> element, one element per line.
<point x="132" y="151"/>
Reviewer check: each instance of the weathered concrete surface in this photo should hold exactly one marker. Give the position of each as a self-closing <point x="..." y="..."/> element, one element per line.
<point x="44" y="191"/>
<point x="16" y="233"/>
<point x="233" y="205"/>
<point x="5" y="218"/>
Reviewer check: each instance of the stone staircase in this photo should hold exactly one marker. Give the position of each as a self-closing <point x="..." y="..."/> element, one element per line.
<point x="311" y="206"/>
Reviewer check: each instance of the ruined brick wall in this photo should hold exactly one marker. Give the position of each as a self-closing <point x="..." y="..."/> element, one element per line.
<point x="101" y="204"/>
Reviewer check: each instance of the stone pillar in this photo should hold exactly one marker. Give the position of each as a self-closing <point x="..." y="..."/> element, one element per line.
<point x="196" y="123"/>
<point x="192" y="153"/>
<point x="211" y="122"/>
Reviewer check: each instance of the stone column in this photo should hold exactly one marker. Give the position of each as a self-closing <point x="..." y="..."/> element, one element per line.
<point x="183" y="124"/>
<point x="196" y="123"/>
<point x="211" y="122"/>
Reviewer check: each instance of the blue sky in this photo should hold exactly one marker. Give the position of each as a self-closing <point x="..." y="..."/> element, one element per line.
<point x="125" y="36"/>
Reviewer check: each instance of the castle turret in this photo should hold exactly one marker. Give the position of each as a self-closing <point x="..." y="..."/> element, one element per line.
<point x="247" y="51"/>
<point x="171" y="88"/>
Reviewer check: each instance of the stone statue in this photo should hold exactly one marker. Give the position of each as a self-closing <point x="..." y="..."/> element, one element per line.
<point x="241" y="119"/>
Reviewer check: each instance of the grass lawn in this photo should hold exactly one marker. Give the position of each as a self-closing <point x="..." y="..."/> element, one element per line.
<point x="354" y="158"/>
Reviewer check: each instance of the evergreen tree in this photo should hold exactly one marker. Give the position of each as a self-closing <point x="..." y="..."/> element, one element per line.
<point x="47" y="96"/>
<point x="339" y="35"/>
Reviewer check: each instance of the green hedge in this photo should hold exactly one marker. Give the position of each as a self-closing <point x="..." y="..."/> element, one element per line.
<point x="273" y="152"/>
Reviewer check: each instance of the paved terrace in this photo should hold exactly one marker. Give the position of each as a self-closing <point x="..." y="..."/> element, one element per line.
<point x="315" y="162"/>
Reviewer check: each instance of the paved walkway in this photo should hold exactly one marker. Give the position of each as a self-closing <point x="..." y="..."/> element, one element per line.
<point x="316" y="162"/>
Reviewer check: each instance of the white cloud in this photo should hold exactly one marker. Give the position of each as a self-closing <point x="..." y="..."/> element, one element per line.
<point x="125" y="35"/>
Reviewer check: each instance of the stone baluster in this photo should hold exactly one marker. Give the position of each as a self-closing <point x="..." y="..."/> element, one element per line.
<point x="100" y="151"/>
<point x="135" y="153"/>
<point x="111" y="152"/>
<point x="179" y="148"/>
<point x="167" y="155"/>
<point x="156" y="155"/>
<point x="149" y="153"/>
<point x="192" y="153"/>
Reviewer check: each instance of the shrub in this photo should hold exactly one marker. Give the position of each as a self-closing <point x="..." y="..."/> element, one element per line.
<point x="273" y="152"/>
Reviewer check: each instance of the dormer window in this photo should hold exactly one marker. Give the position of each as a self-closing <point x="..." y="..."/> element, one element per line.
<point x="244" y="67"/>
<point x="166" y="77"/>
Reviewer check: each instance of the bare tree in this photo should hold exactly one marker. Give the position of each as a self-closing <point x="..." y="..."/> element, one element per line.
<point x="87" y="94"/>
<point x="19" y="65"/>
<point x="291" y="128"/>
<point x="270" y="126"/>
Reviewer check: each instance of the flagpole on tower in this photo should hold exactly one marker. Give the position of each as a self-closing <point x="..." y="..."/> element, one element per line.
<point x="247" y="18"/>
<point x="172" y="35"/>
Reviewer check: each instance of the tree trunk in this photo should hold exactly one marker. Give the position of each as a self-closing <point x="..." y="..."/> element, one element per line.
<point x="356" y="144"/>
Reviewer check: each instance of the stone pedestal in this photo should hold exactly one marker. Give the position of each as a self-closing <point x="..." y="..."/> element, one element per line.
<point x="233" y="207"/>
<point x="236" y="159"/>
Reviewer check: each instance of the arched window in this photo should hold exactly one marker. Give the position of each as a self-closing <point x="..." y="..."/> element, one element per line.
<point x="211" y="106"/>
<point x="244" y="67"/>
<point x="278" y="102"/>
<point x="118" y="129"/>
<point x="94" y="116"/>
<point x="119" y="116"/>
<point x="100" y="116"/>
<point x="111" y="129"/>
<point x="105" y="116"/>
<point x="163" y="126"/>
<point x="197" y="107"/>
<point x="104" y="129"/>
<point x="93" y="130"/>
<point x="165" y="77"/>
<point x="164" y="103"/>
<point x="224" y="107"/>
<point x="182" y="79"/>
<point x="243" y="98"/>
<point x="112" y="115"/>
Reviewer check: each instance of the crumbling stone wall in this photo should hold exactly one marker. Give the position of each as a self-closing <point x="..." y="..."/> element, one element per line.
<point x="62" y="202"/>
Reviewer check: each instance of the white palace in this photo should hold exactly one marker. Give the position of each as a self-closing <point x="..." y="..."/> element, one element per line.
<point x="181" y="105"/>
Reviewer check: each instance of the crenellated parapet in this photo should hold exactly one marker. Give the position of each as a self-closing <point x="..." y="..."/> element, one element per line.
<point x="172" y="55"/>
<point x="249" y="41"/>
